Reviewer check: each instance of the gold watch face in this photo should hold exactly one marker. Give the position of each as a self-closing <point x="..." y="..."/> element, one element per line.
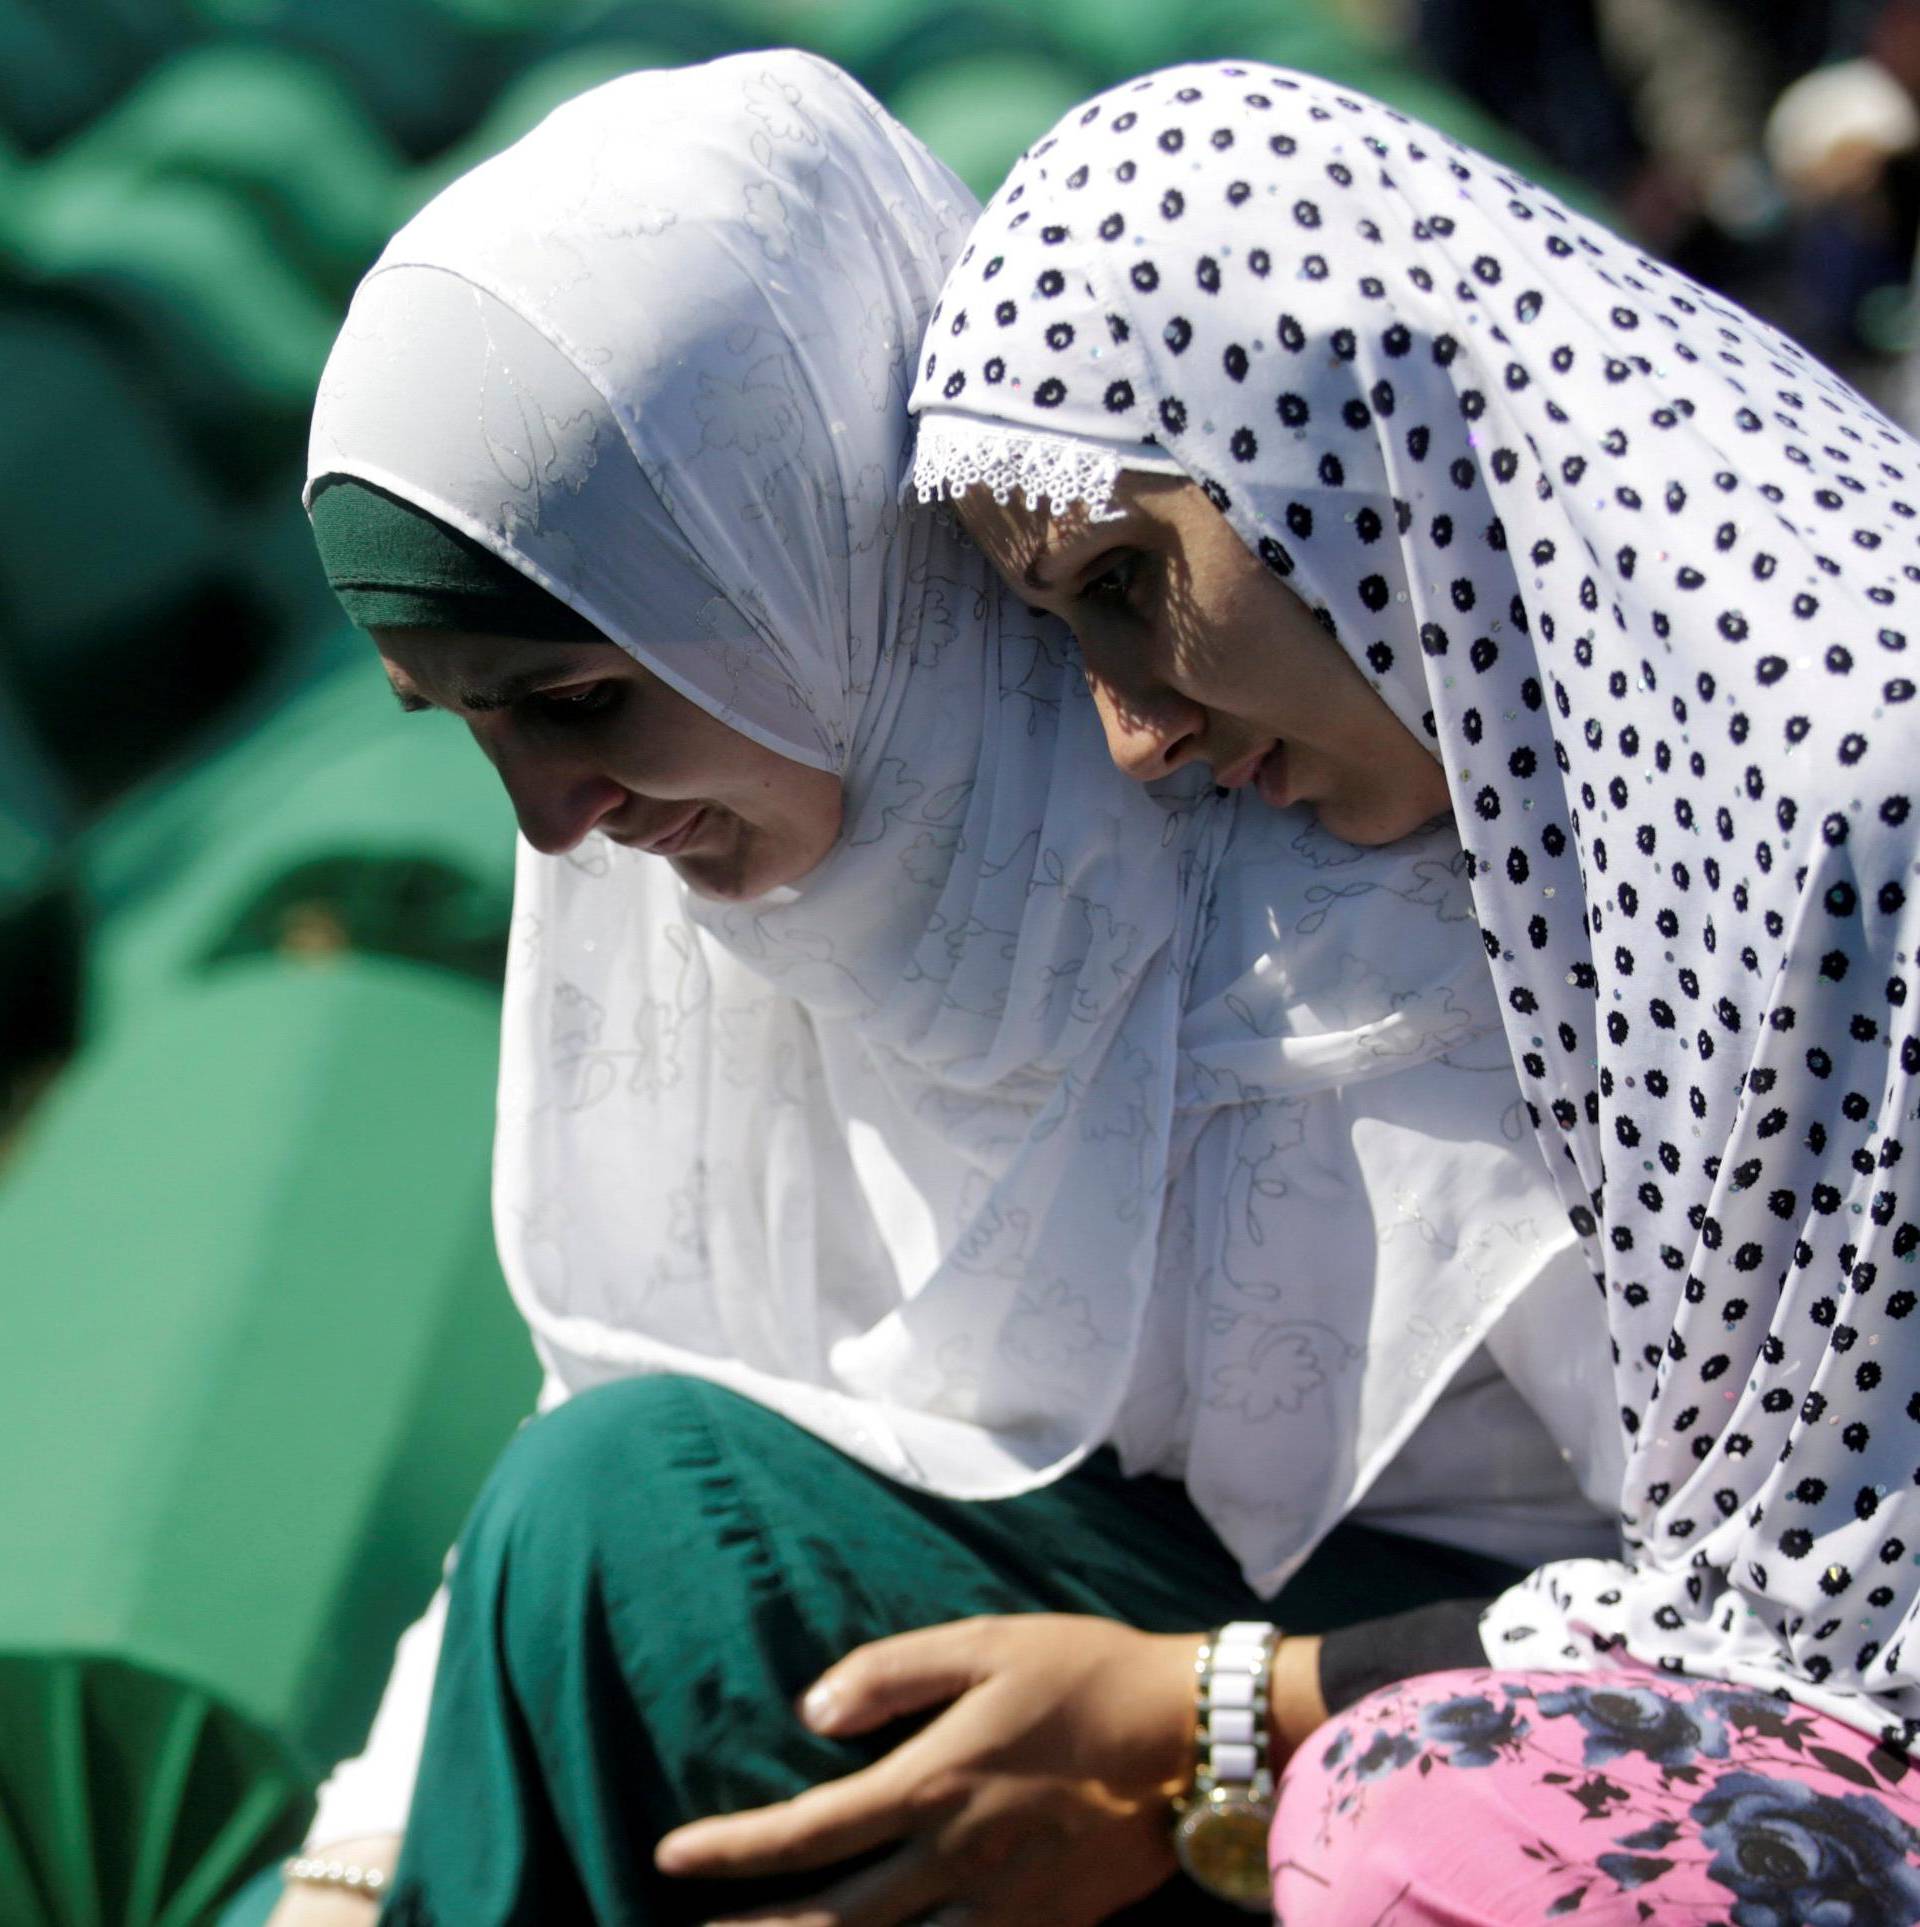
<point x="1221" y="1843"/>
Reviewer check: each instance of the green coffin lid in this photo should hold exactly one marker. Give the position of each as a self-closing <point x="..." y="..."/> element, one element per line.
<point x="334" y="817"/>
<point x="283" y="132"/>
<point x="259" y="1359"/>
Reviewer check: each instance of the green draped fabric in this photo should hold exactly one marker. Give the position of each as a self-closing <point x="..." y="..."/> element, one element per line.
<point x="395" y="566"/>
<point x="656" y="1571"/>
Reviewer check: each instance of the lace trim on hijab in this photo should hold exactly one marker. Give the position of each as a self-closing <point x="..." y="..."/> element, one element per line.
<point x="953" y="453"/>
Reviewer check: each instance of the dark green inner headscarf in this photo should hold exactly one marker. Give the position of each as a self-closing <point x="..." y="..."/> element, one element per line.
<point x="394" y="566"/>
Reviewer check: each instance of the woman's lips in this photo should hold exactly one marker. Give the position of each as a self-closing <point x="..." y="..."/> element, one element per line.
<point x="1238" y="775"/>
<point x="1270" y="779"/>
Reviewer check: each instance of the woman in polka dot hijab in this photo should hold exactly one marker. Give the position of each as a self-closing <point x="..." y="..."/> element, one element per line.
<point x="1641" y="577"/>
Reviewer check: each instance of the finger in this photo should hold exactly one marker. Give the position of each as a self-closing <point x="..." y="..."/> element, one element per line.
<point x="881" y="1803"/>
<point x="915" y="1787"/>
<point x="906" y="1887"/>
<point x="888" y="1678"/>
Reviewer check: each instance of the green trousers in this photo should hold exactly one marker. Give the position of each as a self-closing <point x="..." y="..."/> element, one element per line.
<point x="656" y="1570"/>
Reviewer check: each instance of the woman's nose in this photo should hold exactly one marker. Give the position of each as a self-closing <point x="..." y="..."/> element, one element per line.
<point x="1149" y="734"/>
<point x="556" y="803"/>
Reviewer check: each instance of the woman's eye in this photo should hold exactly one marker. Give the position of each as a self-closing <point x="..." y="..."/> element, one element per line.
<point x="575" y="704"/>
<point x="1113" y="586"/>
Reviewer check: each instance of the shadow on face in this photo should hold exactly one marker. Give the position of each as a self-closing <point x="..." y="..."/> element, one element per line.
<point x="1194" y="650"/>
<point x="586" y="738"/>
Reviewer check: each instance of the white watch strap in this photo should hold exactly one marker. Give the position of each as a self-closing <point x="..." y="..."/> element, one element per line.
<point x="1233" y="1725"/>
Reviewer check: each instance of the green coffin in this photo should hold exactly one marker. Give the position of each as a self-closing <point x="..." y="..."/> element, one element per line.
<point x="40" y="919"/>
<point x="258" y="1359"/>
<point x="335" y="810"/>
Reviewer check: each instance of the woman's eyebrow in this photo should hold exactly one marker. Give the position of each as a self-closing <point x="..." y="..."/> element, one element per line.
<point x="509" y="689"/>
<point x="1047" y="552"/>
<point x="484" y="697"/>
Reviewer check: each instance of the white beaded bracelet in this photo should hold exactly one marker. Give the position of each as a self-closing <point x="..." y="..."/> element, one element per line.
<point x="314" y="1870"/>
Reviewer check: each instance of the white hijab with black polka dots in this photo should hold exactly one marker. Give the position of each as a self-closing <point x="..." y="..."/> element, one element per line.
<point x="1644" y="574"/>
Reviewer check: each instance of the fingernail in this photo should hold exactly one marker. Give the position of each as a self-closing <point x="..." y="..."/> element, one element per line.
<point x="821" y="1706"/>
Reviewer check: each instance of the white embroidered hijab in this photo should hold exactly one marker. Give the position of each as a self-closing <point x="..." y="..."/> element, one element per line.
<point x="916" y="1151"/>
<point x="1644" y="574"/>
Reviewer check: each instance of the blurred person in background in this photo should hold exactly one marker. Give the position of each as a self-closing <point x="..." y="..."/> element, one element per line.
<point x="1844" y="141"/>
<point x="1663" y="106"/>
<point x="1660" y="104"/>
<point x="1542" y="71"/>
<point x="944" y="1182"/>
<point x="1362" y="467"/>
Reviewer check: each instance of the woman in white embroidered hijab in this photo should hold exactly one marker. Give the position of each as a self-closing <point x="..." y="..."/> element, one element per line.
<point x="1015" y="1128"/>
<point x="1636" y="575"/>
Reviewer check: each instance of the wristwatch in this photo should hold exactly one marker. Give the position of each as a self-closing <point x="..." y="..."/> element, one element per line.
<point x="1221" y="1822"/>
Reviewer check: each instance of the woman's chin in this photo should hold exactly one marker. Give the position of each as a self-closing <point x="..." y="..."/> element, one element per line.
<point x="1370" y="821"/>
<point x="723" y="879"/>
<point x="746" y="870"/>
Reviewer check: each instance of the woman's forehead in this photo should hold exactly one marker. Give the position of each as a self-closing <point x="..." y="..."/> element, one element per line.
<point x="1021" y="540"/>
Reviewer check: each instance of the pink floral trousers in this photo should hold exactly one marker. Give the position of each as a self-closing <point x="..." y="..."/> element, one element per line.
<point x="1488" y="1799"/>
